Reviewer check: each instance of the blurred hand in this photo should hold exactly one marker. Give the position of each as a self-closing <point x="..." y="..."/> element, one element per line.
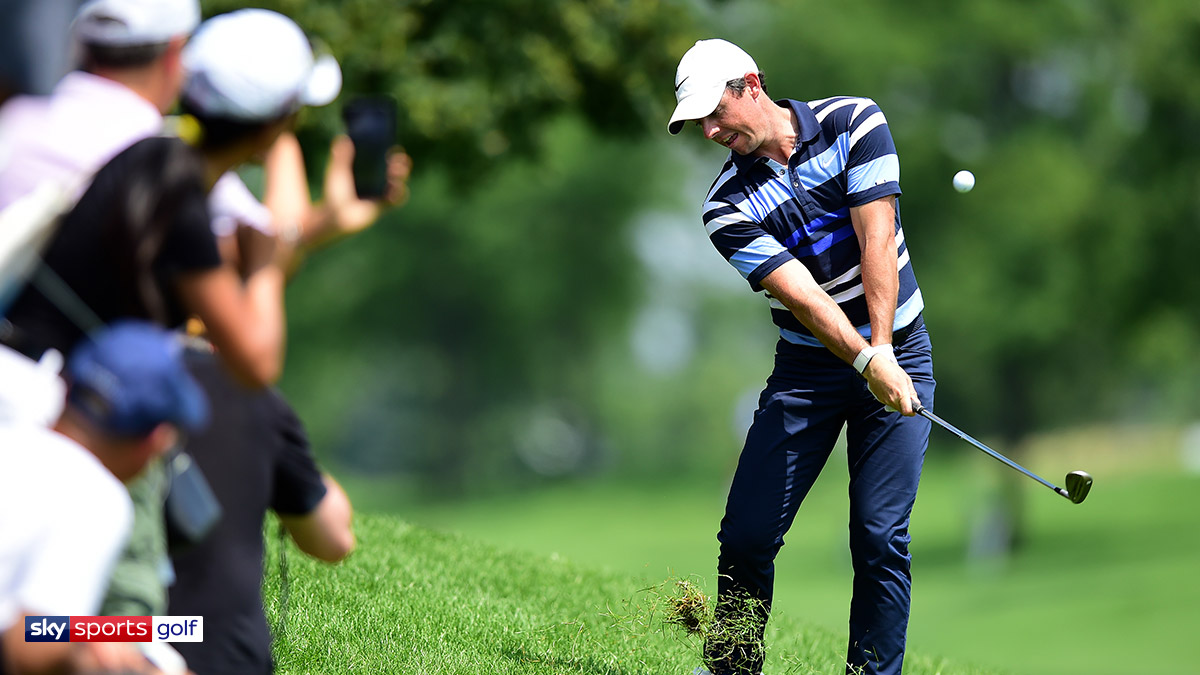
<point x="890" y="385"/>
<point x="256" y="250"/>
<point x="349" y="213"/>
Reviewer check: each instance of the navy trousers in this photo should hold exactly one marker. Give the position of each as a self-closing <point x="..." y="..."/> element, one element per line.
<point x="810" y="396"/>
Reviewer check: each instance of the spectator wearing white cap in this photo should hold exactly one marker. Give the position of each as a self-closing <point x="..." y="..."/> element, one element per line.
<point x="63" y="510"/>
<point x="131" y="75"/>
<point x="228" y="100"/>
<point x="132" y="72"/>
<point x="139" y="242"/>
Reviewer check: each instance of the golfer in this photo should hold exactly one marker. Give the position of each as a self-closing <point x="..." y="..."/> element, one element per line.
<point x="805" y="208"/>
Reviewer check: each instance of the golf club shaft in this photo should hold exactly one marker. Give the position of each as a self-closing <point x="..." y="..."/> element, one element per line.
<point x="924" y="412"/>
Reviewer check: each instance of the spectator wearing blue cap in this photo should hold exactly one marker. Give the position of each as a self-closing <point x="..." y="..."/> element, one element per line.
<point x="64" y="511"/>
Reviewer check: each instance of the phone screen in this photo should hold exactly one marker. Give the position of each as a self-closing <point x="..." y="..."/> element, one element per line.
<point x="371" y="125"/>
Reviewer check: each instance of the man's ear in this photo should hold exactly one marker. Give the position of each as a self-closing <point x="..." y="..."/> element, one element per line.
<point x="753" y="84"/>
<point x="173" y="56"/>
<point x="163" y="438"/>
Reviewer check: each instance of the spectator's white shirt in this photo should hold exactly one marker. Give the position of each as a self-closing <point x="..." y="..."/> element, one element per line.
<point x="87" y="121"/>
<point x="64" y="518"/>
<point x="71" y="133"/>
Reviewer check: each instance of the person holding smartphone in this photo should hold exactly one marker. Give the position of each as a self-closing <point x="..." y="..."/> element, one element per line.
<point x="256" y="455"/>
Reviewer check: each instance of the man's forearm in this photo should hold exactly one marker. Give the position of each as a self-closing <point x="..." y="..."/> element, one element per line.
<point x="875" y="226"/>
<point x="881" y="286"/>
<point x="793" y="285"/>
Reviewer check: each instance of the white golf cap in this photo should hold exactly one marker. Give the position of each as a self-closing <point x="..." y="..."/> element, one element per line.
<point x="125" y="23"/>
<point x="701" y="77"/>
<point x="255" y="65"/>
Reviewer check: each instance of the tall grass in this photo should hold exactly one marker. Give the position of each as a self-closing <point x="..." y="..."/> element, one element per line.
<point x="412" y="600"/>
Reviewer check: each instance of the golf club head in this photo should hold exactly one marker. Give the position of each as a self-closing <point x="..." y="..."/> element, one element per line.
<point x="1079" y="483"/>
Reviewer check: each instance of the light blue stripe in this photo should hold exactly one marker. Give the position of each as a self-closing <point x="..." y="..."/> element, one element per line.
<point x="798" y="339"/>
<point x="905" y="314"/>
<point x="880" y="170"/>
<point x="759" y="203"/>
<point x="757" y="252"/>
<point x="908" y="311"/>
<point x="825" y="166"/>
<point x="816" y="225"/>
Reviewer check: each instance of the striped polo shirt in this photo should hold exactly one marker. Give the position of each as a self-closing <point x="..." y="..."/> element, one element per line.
<point x="759" y="213"/>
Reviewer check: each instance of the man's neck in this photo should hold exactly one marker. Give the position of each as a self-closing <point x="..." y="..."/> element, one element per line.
<point x="141" y="81"/>
<point x="785" y="130"/>
<point x="77" y="429"/>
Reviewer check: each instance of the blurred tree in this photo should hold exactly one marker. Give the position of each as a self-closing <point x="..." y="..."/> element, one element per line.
<point x="477" y="80"/>
<point x="458" y="343"/>
<point x="469" y="329"/>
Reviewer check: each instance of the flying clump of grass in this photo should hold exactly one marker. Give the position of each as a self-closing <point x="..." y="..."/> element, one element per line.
<point x="729" y="633"/>
<point x="688" y="608"/>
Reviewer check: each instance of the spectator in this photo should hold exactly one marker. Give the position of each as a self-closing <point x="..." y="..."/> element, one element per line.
<point x="131" y="49"/>
<point x="64" y="513"/>
<point x="131" y="75"/>
<point x="151" y="253"/>
<point x="257" y="459"/>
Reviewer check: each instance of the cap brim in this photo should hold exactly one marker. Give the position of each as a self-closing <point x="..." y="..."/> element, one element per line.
<point x="324" y="83"/>
<point x="694" y="106"/>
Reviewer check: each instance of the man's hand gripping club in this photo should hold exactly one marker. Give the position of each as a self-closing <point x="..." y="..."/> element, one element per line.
<point x="887" y="381"/>
<point x="793" y="285"/>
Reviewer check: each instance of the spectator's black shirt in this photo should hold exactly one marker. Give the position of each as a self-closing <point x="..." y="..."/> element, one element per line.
<point x="256" y="457"/>
<point x="92" y="248"/>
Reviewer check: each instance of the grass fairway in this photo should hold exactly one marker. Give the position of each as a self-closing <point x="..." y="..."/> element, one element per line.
<point x="1108" y="587"/>
<point x="412" y="600"/>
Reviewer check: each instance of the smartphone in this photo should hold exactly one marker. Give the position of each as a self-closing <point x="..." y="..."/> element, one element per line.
<point x="371" y="125"/>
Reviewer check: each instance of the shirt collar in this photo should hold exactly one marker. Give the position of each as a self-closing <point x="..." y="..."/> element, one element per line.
<point x="105" y="98"/>
<point x="809" y="128"/>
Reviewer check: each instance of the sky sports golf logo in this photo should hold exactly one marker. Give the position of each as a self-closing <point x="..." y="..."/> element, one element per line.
<point x="114" y="629"/>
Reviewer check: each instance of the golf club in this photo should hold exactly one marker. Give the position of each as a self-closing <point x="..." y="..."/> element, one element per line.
<point x="1078" y="482"/>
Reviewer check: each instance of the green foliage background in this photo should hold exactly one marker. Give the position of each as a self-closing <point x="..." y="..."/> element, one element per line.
<point x="492" y="322"/>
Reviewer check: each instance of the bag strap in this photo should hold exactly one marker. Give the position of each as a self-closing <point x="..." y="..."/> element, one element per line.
<point x="64" y="298"/>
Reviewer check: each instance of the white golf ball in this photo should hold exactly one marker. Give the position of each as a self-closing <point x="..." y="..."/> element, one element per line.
<point x="964" y="181"/>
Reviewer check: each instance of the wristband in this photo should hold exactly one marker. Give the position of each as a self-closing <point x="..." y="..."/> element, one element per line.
<point x="871" y="351"/>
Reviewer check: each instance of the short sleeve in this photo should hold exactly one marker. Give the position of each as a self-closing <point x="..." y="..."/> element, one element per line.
<point x="190" y="245"/>
<point x="873" y="167"/>
<point x="743" y="242"/>
<point x="231" y="204"/>
<point x="298" y="484"/>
